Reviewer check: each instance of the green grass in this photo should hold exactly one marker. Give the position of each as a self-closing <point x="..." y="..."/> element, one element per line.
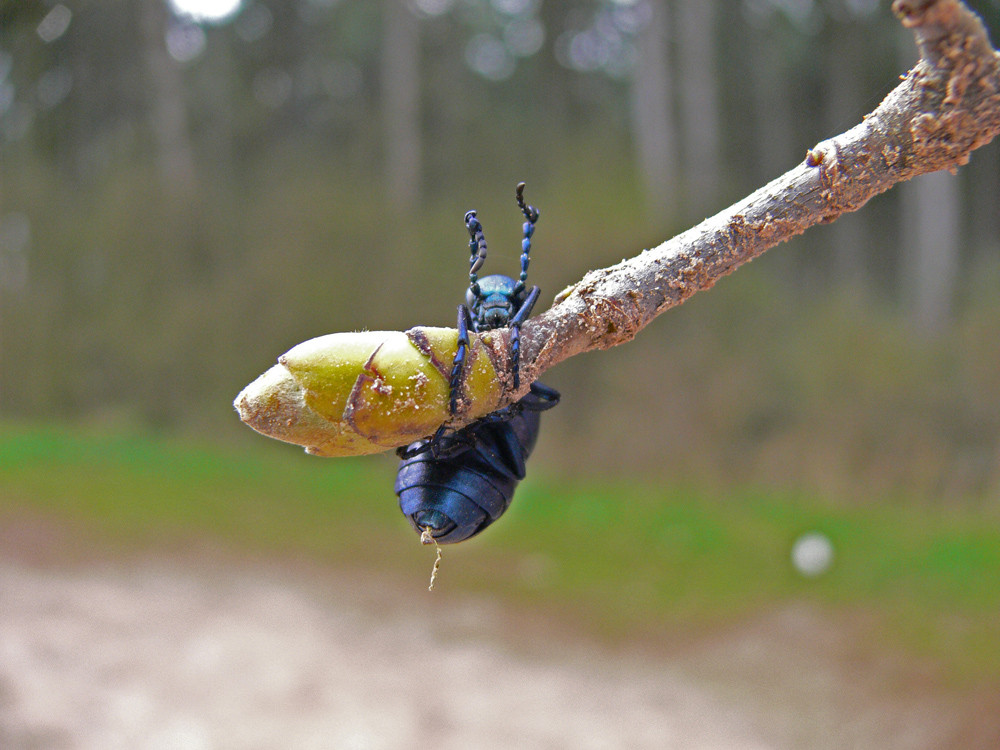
<point x="644" y="558"/>
<point x="134" y="492"/>
<point x="630" y="561"/>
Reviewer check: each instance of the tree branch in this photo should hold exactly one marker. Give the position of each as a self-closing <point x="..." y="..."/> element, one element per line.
<point x="945" y="108"/>
<point x="349" y="394"/>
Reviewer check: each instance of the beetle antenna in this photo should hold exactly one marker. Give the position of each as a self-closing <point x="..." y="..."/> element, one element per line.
<point x="477" y="249"/>
<point x="531" y="214"/>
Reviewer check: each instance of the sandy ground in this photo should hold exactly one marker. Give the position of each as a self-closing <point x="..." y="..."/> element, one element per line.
<point x="159" y="655"/>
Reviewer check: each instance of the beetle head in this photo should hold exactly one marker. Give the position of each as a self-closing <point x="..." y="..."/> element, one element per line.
<point x="498" y="301"/>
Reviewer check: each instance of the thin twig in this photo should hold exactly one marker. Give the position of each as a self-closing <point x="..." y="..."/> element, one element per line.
<point x="947" y="106"/>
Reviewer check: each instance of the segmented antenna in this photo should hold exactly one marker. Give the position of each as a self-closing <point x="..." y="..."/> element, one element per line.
<point x="477" y="249"/>
<point x="531" y="214"/>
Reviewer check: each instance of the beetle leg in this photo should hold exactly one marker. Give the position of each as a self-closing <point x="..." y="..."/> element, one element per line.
<point x="525" y="309"/>
<point x="515" y="333"/>
<point x="437" y="444"/>
<point x="541" y="398"/>
<point x="413" y="449"/>
<point x="503" y="415"/>
<point x="447" y="443"/>
<point x="455" y="380"/>
<point x="442" y="444"/>
<point x="511" y="453"/>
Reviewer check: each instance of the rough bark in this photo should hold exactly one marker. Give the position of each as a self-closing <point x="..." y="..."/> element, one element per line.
<point x="947" y="106"/>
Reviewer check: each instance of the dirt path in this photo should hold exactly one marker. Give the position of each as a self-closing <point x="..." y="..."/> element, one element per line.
<point x="160" y="657"/>
<point x="163" y="656"/>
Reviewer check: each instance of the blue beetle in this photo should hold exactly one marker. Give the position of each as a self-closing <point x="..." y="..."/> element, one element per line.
<point x="457" y="482"/>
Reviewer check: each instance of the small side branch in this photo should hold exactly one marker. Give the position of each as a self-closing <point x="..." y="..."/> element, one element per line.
<point x="945" y="108"/>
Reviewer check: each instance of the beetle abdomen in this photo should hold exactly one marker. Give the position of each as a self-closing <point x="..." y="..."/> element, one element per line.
<point x="450" y="496"/>
<point x="471" y="483"/>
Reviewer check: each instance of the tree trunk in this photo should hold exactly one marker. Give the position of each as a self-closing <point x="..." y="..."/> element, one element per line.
<point x="168" y="110"/>
<point x="699" y="109"/>
<point x="931" y="235"/>
<point x="772" y="116"/>
<point x="652" y="114"/>
<point x="401" y="103"/>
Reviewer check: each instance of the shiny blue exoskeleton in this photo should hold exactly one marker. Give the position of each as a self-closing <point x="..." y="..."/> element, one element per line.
<point x="457" y="482"/>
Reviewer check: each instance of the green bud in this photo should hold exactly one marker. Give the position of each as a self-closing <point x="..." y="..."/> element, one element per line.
<point x="348" y="394"/>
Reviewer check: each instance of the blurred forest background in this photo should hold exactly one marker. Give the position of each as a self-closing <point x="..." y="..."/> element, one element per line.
<point x="190" y="188"/>
<point x="184" y="196"/>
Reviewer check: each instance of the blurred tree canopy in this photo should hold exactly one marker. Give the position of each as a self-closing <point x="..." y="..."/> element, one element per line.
<point x="184" y="197"/>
